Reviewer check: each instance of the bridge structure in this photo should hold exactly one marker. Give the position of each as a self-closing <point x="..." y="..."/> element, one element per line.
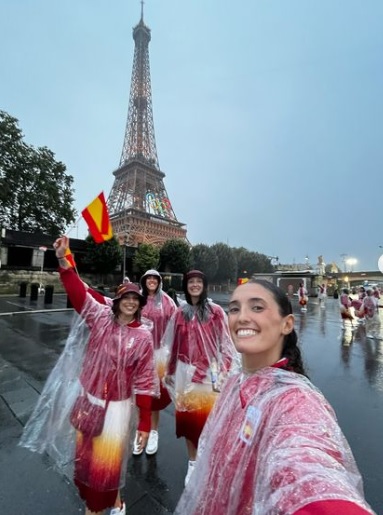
<point x="357" y="278"/>
<point x="289" y="280"/>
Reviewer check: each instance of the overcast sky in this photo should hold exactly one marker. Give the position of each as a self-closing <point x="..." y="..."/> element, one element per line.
<point x="268" y="114"/>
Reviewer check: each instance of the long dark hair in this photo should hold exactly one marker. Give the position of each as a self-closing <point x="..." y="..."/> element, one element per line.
<point x="202" y="307"/>
<point x="290" y="349"/>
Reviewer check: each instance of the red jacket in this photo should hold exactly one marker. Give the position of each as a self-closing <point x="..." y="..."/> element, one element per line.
<point x="119" y="360"/>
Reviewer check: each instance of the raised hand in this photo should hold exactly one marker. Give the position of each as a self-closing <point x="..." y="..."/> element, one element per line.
<point x="60" y="246"/>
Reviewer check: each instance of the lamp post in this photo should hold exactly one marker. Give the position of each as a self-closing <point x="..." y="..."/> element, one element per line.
<point x="351" y="262"/>
<point x="124" y="245"/>
<point x="123" y="262"/>
<point x="43" y="250"/>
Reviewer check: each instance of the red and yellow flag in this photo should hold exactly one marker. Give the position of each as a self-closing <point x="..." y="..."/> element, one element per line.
<point x="69" y="257"/>
<point x="97" y="217"/>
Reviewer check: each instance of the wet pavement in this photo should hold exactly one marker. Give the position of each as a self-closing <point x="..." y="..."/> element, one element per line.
<point x="345" y="365"/>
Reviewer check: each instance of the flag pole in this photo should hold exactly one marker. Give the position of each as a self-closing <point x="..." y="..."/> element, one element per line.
<point x="74" y="225"/>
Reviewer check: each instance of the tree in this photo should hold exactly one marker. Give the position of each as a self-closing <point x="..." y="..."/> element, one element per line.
<point x="203" y="257"/>
<point x="250" y="263"/>
<point x="103" y="258"/>
<point x="262" y="263"/>
<point x="227" y="263"/>
<point x="175" y="256"/>
<point x="245" y="263"/>
<point x="36" y="194"/>
<point x="146" y="257"/>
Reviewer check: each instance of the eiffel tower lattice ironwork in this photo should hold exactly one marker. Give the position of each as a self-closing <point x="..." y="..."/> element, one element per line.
<point x="139" y="206"/>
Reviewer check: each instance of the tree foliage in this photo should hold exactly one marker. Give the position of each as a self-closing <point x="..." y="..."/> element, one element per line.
<point x="227" y="263"/>
<point x="146" y="257"/>
<point x="175" y="256"/>
<point x="36" y="194"/>
<point x="262" y="264"/>
<point x="103" y="258"/>
<point x="250" y="263"/>
<point x="204" y="258"/>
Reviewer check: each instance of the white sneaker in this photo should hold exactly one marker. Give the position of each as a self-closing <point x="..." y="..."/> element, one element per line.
<point x="191" y="466"/>
<point x="136" y="449"/>
<point x="118" y="511"/>
<point x="152" y="445"/>
<point x="369" y="336"/>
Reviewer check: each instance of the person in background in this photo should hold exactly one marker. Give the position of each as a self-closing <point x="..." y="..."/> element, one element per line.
<point x="376" y="292"/>
<point x="200" y="357"/>
<point x="322" y="295"/>
<point x="302" y="296"/>
<point x="272" y="443"/>
<point x="357" y="304"/>
<point x="345" y="303"/>
<point x="370" y="311"/>
<point x="362" y="292"/>
<point x="115" y="371"/>
<point x="159" y="308"/>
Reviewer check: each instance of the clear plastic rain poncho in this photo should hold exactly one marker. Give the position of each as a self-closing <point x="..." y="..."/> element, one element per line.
<point x="198" y="356"/>
<point x="159" y="308"/>
<point x="108" y="363"/>
<point x="271" y="445"/>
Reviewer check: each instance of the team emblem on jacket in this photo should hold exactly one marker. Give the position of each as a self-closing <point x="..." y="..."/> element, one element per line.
<point x="250" y="424"/>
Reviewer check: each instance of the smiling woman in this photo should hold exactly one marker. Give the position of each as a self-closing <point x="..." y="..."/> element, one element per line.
<point x="201" y="355"/>
<point x="257" y="326"/>
<point x="159" y="308"/>
<point x="283" y="449"/>
<point x="84" y="416"/>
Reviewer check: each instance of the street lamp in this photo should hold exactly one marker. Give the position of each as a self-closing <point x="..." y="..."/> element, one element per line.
<point x="123" y="262"/>
<point x="351" y="262"/>
<point x="124" y="244"/>
<point x="41" y="286"/>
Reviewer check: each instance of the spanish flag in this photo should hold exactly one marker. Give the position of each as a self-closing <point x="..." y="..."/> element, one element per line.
<point x="97" y="217"/>
<point x="69" y="257"/>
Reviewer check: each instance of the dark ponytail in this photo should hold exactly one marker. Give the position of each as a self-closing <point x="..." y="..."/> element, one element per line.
<point x="290" y="349"/>
<point x="292" y="352"/>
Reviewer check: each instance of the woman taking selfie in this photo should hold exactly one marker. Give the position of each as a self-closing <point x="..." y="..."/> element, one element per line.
<point x="272" y="443"/>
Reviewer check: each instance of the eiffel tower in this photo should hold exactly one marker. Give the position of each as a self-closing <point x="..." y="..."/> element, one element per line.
<point x="139" y="206"/>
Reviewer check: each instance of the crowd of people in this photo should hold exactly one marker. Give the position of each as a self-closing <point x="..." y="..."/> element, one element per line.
<point x="260" y="437"/>
<point x="361" y="307"/>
